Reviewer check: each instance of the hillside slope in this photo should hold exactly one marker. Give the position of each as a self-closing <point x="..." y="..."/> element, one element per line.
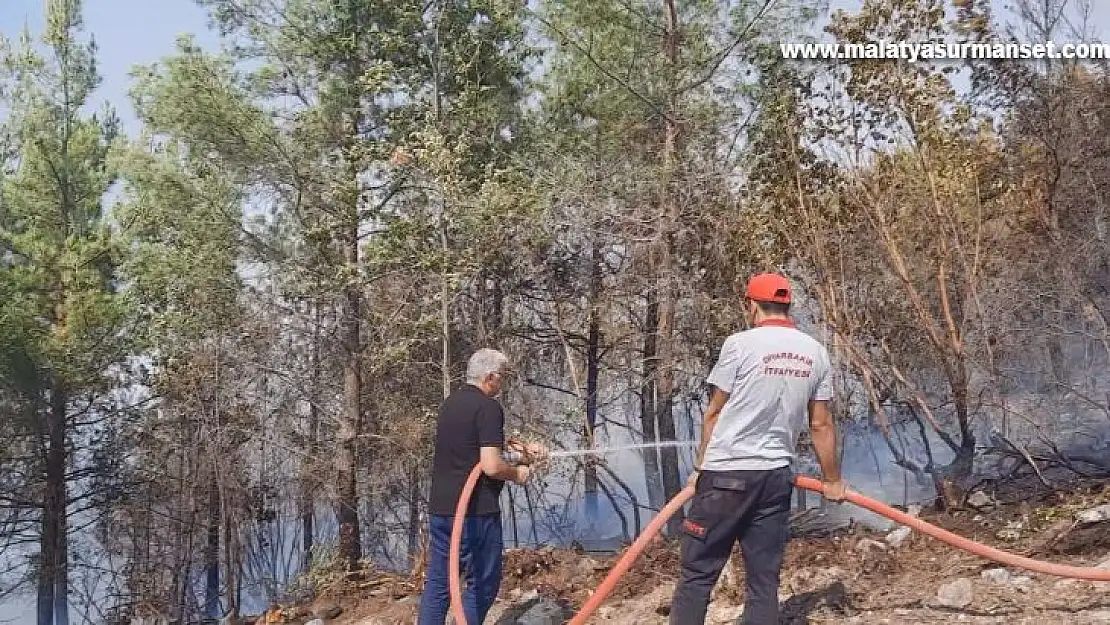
<point x="853" y="576"/>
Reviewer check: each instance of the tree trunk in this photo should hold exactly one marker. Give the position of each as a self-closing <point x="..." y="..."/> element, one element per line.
<point x="61" y="568"/>
<point x="648" y="403"/>
<point x="46" y="570"/>
<point x="308" y="520"/>
<point x="951" y="480"/>
<point x="182" y="543"/>
<point x="414" y="518"/>
<point x="666" y="268"/>
<point x="350" y="544"/>
<point x="308" y="480"/>
<point x="512" y="519"/>
<point x="212" y="552"/>
<point x="445" y="309"/>
<point x="308" y="501"/>
<point x="231" y="559"/>
<point x="593" y="356"/>
<point x="53" y="587"/>
<point x="350" y="422"/>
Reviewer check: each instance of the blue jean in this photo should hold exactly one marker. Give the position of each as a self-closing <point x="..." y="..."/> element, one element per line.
<point x="480" y="559"/>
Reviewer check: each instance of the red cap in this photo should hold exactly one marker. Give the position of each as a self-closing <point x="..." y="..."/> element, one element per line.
<point x="769" y="287"/>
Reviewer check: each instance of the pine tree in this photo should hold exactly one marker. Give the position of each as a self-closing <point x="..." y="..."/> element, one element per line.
<point x="63" y="317"/>
<point x="339" y="89"/>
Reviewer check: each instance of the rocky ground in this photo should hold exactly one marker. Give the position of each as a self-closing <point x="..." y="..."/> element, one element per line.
<point x="854" y="576"/>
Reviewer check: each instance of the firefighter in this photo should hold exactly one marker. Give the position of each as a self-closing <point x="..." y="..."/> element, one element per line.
<point x="768" y="382"/>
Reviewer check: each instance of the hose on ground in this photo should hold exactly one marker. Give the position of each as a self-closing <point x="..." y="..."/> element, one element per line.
<point x="625" y="562"/>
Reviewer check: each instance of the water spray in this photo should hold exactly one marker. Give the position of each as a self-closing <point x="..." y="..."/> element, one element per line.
<point x="571" y="453"/>
<point x="514" y="457"/>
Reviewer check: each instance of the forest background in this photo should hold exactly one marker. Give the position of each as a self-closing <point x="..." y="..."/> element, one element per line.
<point x="235" y="285"/>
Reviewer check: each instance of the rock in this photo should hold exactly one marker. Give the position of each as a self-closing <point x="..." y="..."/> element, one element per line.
<point x="955" y="594"/>
<point x="315" y="621"/>
<point x="809" y="579"/>
<point x="1094" y="515"/>
<point x="588" y="565"/>
<point x="867" y="545"/>
<point x="1011" y="532"/>
<point x="1023" y="583"/>
<point x="1064" y="584"/>
<point x="327" y="611"/>
<point x="1105" y="564"/>
<point x="542" y="611"/>
<point x="979" y="499"/>
<point x="914" y="510"/>
<point x="1054" y="532"/>
<point x="898" y="537"/>
<point x="998" y="576"/>
<point x="722" y="614"/>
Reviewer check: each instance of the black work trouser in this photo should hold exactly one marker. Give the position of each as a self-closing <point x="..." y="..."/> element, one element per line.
<point x="752" y="507"/>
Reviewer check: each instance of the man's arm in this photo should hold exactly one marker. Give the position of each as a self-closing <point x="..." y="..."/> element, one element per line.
<point x="720" y="378"/>
<point x="491" y="440"/>
<point x="495" y="467"/>
<point x="822" y="430"/>
<point x="716" y="403"/>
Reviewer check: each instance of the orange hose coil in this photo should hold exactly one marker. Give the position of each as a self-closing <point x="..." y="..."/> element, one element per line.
<point x="625" y="563"/>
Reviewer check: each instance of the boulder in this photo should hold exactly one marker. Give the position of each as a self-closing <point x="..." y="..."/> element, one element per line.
<point x="1094" y="515"/>
<point x="326" y="611"/>
<point x="979" y="499"/>
<point x="537" y="611"/>
<point x="956" y="594"/>
<point x="898" y="537"/>
<point x="867" y="545"/>
<point x="1001" y="577"/>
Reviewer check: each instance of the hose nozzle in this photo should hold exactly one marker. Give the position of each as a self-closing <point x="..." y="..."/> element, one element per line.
<point x="512" y="457"/>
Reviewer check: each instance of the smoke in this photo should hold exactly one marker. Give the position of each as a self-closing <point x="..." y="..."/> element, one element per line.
<point x="868" y="464"/>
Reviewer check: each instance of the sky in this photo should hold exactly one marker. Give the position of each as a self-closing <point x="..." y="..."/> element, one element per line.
<point x="127" y="33"/>
<point x="130" y="32"/>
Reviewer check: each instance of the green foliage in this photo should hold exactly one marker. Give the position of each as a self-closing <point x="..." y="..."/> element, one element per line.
<point x="183" y="230"/>
<point x="67" y="322"/>
<point x="65" y="310"/>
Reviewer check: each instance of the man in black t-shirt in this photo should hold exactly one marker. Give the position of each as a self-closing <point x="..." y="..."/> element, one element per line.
<point x="470" y="430"/>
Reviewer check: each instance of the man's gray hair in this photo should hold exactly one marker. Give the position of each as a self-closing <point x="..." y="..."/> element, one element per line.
<point x="483" y="363"/>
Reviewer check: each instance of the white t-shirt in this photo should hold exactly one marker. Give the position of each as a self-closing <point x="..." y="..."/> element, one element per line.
<point x="770" y="373"/>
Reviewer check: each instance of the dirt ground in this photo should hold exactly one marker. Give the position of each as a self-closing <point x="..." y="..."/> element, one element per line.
<point x="855" y="576"/>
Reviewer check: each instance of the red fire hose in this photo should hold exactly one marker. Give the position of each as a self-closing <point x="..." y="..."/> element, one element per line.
<point x="808" y="483"/>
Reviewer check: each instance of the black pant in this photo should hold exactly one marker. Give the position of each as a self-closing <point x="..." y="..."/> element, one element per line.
<point x="752" y="507"/>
